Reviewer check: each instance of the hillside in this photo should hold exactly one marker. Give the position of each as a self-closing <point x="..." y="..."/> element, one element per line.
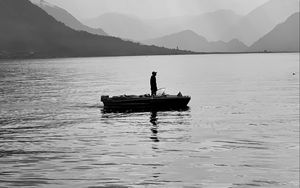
<point x="27" y="30"/>
<point x="65" y="17"/>
<point x="283" y="38"/>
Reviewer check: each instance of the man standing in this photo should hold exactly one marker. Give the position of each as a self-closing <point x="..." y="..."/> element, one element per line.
<point x="153" y="84"/>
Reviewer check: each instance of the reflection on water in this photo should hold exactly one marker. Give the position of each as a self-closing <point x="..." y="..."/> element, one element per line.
<point x="242" y="128"/>
<point x="154" y="128"/>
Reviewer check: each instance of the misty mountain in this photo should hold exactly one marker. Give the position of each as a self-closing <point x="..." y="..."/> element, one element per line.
<point x="65" y="17"/>
<point x="189" y="40"/>
<point x="261" y="20"/>
<point x="27" y="30"/>
<point x="283" y="38"/>
<point x="123" y="26"/>
<point x="211" y="25"/>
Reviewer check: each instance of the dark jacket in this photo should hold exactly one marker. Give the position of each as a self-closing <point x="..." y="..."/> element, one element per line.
<point x="153" y="83"/>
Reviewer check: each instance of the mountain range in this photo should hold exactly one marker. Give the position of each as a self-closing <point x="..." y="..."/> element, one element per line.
<point x="283" y="38"/>
<point x="189" y="40"/>
<point x="221" y="25"/>
<point x="201" y="33"/>
<point x="210" y="25"/>
<point x="45" y="30"/>
<point x="27" y="30"/>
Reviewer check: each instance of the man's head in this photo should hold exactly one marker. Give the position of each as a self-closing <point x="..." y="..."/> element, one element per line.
<point x="154" y="73"/>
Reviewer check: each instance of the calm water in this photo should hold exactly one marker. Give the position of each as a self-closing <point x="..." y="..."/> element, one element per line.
<point x="242" y="128"/>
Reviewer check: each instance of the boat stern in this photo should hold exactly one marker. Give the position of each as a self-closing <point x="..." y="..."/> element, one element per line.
<point x="104" y="98"/>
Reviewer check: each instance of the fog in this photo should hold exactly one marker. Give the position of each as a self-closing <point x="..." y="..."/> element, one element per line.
<point x="83" y="9"/>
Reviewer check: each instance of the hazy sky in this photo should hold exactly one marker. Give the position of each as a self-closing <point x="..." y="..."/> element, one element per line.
<point x="153" y="8"/>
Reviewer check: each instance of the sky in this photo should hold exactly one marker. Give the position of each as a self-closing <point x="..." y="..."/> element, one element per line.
<point x="83" y="9"/>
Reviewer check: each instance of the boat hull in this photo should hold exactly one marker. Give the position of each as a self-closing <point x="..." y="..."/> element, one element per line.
<point x="145" y="103"/>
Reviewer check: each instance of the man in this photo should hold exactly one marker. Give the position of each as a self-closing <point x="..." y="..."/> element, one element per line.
<point x="153" y="84"/>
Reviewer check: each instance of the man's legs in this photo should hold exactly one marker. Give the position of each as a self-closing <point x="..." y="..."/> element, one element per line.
<point x="153" y="93"/>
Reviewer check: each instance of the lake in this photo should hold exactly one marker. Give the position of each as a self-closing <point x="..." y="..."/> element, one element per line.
<point x="241" y="128"/>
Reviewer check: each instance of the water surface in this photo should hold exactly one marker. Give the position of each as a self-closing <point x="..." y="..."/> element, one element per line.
<point x="241" y="130"/>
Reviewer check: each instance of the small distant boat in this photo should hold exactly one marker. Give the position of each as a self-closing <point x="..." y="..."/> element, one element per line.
<point x="145" y="102"/>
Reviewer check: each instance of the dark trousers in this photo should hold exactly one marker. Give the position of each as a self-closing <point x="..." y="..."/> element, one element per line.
<point x="153" y="92"/>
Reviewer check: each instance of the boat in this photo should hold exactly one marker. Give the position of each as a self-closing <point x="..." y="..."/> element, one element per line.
<point x="145" y="102"/>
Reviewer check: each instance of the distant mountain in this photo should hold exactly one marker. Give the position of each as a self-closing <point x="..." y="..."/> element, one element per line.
<point x="210" y="25"/>
<point x="189" y="40"/>
<point x="261" y="20"/>
<point x="65" y="17"/>
<point x="283" y="38"/>
<point x="123" y="26"/>
<point x="27" y="30"/>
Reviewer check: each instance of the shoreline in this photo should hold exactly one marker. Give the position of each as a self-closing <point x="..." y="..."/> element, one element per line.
<point x="192" y="53"/>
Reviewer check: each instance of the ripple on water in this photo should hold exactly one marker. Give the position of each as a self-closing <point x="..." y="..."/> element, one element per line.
<point x="241" y="130"/>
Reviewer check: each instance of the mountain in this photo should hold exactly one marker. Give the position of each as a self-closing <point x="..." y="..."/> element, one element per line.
<point x="27" y="30"/>
<point x="189" y="40"/>
<point x="65" y="17"/>
<point x="184" y="40"/>
<point x="283" y="38"/>
<point x="261" y="20"/>
<point x="210" y="25"/>
<point x="122" y="25"/>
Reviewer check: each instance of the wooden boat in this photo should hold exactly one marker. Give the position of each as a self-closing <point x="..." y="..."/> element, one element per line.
<point x="145" y="102"/>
